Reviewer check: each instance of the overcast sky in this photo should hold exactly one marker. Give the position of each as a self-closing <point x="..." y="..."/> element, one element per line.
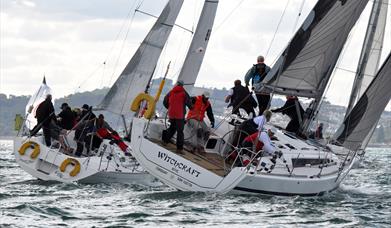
<point x="68" y="42"/>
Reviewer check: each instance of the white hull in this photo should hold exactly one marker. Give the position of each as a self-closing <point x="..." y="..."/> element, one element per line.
<point x="110" y="167"/>
<point x="304" y="169"/>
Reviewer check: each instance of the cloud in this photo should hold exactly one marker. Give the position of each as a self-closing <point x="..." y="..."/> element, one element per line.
<point x="69" y="41"/>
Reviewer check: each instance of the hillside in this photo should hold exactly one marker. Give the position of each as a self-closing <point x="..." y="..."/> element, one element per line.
<point x="331" y="115"/>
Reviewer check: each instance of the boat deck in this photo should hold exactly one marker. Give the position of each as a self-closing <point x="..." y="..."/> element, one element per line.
<point x="210" y="161"/>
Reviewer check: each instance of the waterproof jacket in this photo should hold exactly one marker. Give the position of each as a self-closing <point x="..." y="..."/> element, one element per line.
<point x="67" y="119"/>
<point x="199" y="109"/>
<point x="176" y="101"/>
<point x="289" y="109"/>
<point x="241" y="95"/>
<point x="45" y="112"/>
<point x="256" y="73"/>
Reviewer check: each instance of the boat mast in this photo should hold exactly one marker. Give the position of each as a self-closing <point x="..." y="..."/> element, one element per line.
<point x="368" y="49"/>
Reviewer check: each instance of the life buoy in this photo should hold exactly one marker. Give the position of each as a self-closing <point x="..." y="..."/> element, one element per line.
<point x="32" y="145"/>
<point x="69" y="161"/>
<point x="151" y="104"/>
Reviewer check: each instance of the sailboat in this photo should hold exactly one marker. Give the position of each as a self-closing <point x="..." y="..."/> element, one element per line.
<point x="305" y="168"/>
<point x="109" y="163"/>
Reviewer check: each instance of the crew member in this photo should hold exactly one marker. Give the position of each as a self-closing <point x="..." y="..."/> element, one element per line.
<point x="176" y="101"/>
<point x="66" y="118"/>
<point x="251" y="126"/>
<point x="45" y="115"/>
<point x="195" y="120"/>
<point x="256" y="74"/>
<point x="240" y="97"/>
<point x="293" y="109"/>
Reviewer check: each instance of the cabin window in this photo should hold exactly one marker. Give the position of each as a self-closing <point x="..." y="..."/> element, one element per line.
<point x="302" y="162"/>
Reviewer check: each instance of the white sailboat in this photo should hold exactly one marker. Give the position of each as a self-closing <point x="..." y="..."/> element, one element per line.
<point x="109" y="163"/>
<point x="306" y="168"/>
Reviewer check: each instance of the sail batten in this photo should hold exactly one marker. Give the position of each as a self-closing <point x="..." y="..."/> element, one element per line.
<point x="306" y="65"/>
<point x="138" y="72"/>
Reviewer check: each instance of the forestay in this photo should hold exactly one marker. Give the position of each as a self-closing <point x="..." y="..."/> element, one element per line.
<point x="366" y="113"/>
<point x="306" y="64"/>
<point x="196" y="53"/>
<point x="137" y="74"/>
<point x="371" y="52"/>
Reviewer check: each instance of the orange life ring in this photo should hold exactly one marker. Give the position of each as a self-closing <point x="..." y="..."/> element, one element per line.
<point x="151" y="104"/>
<point x="32" y="145"/>
<point x="72" y="161"/>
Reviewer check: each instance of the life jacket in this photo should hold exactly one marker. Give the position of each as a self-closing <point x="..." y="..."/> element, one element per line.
<point x="176" y="103"/>
<point x="259" y="76"/>
<point x="198" y="110"/>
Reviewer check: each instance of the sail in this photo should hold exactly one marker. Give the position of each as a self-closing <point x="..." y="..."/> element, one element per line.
<point x="32" y="105"/>
<point x="305" y="66"/>
<point x="196" y="53"/>
<point x="366" y="113"/>
<point x="137" y="74"/>
<point x="371" y="52"/>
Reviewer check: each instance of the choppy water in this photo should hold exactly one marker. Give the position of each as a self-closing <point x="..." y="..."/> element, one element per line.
<point x="364" y="200"/>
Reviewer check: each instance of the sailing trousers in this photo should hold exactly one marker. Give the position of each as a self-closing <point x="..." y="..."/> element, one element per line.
<point x="176" y="126"/>
<point x="263" y="102"/>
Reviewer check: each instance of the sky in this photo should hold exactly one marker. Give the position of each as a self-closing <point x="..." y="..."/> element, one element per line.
<point x="84" y="45"/>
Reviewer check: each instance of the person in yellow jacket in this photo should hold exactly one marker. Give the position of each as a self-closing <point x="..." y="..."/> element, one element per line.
<point x="196" y="129"/>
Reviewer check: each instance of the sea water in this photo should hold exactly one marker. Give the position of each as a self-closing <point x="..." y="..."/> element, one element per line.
<point x="363" y="200"/>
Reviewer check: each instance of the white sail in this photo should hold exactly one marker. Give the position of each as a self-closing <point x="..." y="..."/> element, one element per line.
<point x="371" y="52"/>
<point x="32" y="105"/>
<point x="137" y="74"/>
<point x="305" y="66"/>
<point x="366" y="113"/>
<point x="196" y="53"/>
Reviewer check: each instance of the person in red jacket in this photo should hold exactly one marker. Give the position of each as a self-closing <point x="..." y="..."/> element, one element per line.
<point x="196" y="127"/>
<point x="176" y="101"/>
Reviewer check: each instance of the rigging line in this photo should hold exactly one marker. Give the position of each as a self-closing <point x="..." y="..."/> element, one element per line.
<point x="229" y="15"/>
<point x="278" y="26"/>
<point x="298" y="16"/>
<point x="179" y="26"/>
<point x="120" y="31"/>
<point x="110" y="51"/>
<point x="122" y="46"/>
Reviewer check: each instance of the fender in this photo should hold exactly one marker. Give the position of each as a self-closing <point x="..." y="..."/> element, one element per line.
<point x="151" y="104"/>
<point x="32" y="145"/>
<point x="69" y="161"/>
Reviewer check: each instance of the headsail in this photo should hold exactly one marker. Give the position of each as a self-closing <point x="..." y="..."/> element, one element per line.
<point x="305" y="66"/>
<point x="33" y="103"/>
<point x="195" y="55"/>
<point x="366" y="113"/>
<point x="137" y="74"/>
<point x="371" y="51"/>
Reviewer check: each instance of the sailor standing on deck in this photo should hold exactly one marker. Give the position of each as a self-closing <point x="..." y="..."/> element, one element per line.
<point x="257" y="73"/>
<point x="45" y="115"/>
<point x="195" y="120"/>
<point x="176" y="101"/>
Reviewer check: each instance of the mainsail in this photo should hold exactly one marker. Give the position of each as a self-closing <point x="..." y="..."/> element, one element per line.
<point x="366" y="113"/>
<point x="32" y="105"/>
<point x="373" y="43"/>
<point x="137" y="74"/>
<point x="305" y="66"/>
<point x="196" y="53"/>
